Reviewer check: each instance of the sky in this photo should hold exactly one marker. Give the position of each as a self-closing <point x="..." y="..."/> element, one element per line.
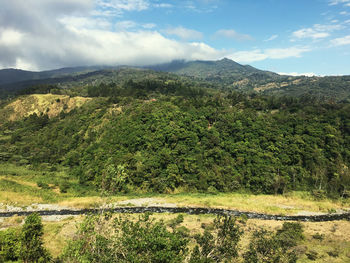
<point x="310" y="37"/>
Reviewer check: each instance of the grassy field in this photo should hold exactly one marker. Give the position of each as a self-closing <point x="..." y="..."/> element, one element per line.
<point x="22" y="186"/>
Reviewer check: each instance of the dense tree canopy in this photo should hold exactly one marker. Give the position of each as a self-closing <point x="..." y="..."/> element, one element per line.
<point x="163" y="136"/>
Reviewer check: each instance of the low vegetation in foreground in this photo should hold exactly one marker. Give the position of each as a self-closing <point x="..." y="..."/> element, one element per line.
<point x="173" y="238"/>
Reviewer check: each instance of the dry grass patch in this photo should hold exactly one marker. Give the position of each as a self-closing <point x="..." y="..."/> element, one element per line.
<point x="56" y="234"/>
<point x="270" y="204"/>
<point x="13" y="221"/>
<point x="90" y="201"/>
<point x="50" y="104"/>
<point x="19" y="199"/>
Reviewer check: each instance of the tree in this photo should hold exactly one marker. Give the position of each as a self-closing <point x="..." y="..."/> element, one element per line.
<point x="142" y="240"/>
<point x="9" y="245"/>
<point x="32" y="249"/>
<point x="220" y="245"/>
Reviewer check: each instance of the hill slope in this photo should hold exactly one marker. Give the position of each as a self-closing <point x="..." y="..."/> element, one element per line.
<point x="224" y="70"/>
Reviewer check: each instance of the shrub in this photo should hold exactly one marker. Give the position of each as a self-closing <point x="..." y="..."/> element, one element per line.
<point x="43" y="185"/>
<point x="219" y="245"/>
<point x="312" y="255"/>
<point x="333" y="253"/>
<point x="318" y="236"/>
<point x="9" y="245"/>
<point x="32" y="249"/>
<point x="268" y="247"/>
<point x="123" y="240"/>
<point x="290" y="234"/>
<point x="64" y="186"/>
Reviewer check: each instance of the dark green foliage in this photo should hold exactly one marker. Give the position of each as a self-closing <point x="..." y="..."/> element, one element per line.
<point x="269" y="247"/>
<point x="64" y="186"/>
<point x="290" y="234"/>
<point x="165" y="134"/>
<point x="10" y="244"/>
<point x="318" y="236"/>
<point x="312" y="255"/>
<point x="103" y="238"/>
<point x="32" y="249"/>
<point x="333" y="253"/>
<point x="43" y="185"/>
<point x="123" y="240"/>
<point x="218" y="245"/>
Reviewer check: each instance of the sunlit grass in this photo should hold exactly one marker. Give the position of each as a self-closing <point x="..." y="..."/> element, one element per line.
<point x="19" y="185"/>
<point x="275" y="204"/>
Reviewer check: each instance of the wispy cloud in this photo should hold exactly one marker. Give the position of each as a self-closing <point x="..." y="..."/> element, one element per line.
<point x="296" y="74"/>
<point x="318" y="31"/>
<point x="341" y="41"/>
<point x="273" y="37"/>
<point x="231" y="33"/>
<point x="163" y="5"/>
<point x="125" y="5"/>
<point x="337" y="2"/>
<point x="199" y="6"/>
<point x="184" y="33"/>
<point x="275" y="53"/>
<point x="125" y="25"/>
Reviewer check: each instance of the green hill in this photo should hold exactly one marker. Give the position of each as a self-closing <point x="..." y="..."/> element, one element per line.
<point x="162" y="133"/>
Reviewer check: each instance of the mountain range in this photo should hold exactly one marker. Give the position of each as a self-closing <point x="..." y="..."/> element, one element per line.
<point x="223" y="73"/>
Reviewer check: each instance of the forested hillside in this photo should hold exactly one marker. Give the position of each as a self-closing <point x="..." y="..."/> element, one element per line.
<point x="223" y="74"/>
<point x="161" y="133"/>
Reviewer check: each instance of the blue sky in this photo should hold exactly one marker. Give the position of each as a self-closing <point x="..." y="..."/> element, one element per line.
<point x="285" y="36"/>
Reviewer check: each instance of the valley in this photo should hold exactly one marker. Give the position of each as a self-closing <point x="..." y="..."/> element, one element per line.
<point x="215" y="135"/>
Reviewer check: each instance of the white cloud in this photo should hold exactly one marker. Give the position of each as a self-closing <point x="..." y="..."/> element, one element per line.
<point x="124" y="25"/>
<point x="125" y="5"/>
<point x="129" y="25"/>
<point x="336" y="2"/>
<point x="46" y="34"/>
<point x="163" y="5"/>
<point x="296" y="74"/>
<point x="84" y="22"/>
<point x="230" y="33"/>
<point x="10" y="37"/>
<point x="149" y="26"/>
<point x="341" y="41"/>
<point x="184" y="33"/>
<point x="276" y="53"/>
<point x="281" y="53"/>
<point x="316" y="32"/>
<point x="273" y="37"/>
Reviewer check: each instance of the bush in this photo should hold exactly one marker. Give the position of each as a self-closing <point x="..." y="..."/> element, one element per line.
<point x="32" y="249"/>
<point x="10" y="245"/>
<point x="290" y="234"/>
<point x="268" y="247"/>
<point x="318" y="236"/>
<point x="64" y="186"/>
<point x="333" y="253"/>
<point x="219" y="245"/>
<point x="312" y="255"/>
<point x="144" y="240"/>
<point x="43" y="185"/>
